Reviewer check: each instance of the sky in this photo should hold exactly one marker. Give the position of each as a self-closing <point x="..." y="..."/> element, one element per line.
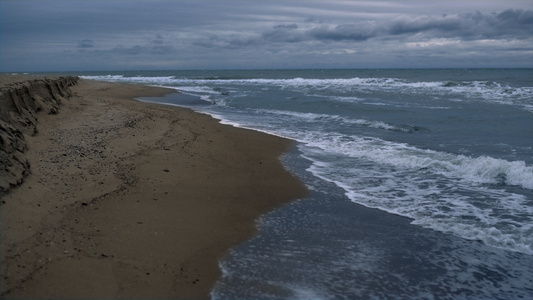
<point x="42" y="35"/>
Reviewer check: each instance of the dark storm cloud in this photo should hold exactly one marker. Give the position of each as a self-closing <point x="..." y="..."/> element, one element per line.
<point x="514" y="24"/>
<point x="86" y="44"/>
<point x="286" y="26"/>
<point x="358" y="32"/>
<point x="284" y="33"/>
<point x="509" y="24"/>
<point x="141" y="50"/>
<point x="158" y="41"/>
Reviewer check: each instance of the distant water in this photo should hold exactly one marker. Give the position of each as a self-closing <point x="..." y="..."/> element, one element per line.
<point x="421" y="180"/>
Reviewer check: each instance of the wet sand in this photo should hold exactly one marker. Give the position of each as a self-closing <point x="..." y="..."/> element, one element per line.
<point x="134" y="200"/>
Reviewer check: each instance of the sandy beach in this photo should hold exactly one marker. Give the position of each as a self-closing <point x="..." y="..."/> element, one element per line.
<point x="127" y="199"/>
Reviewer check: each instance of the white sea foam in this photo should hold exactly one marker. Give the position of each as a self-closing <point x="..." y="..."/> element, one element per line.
<point x="434" y="188"/>
<point x="162" y="80"/>
<point x="198" y="89"/>
<point x="481" y="90"/>
<point x="481" y="169"/>
<point x="431" y="200"/>
<point x="313" y="117"/>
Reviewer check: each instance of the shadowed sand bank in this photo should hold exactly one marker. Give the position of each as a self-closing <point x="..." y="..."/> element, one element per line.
<point x="133" y="200"/>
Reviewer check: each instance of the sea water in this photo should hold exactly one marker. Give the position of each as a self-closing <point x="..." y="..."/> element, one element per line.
<point x="421" y="180"/>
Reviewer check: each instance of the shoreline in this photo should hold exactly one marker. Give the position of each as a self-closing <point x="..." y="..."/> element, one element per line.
<point x="135" y="199"/>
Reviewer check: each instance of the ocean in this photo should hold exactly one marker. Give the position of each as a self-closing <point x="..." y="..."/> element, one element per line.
<point x="421" y="180"/>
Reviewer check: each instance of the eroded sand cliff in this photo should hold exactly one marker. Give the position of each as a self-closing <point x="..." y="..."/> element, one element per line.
<point x="21" y="101"/>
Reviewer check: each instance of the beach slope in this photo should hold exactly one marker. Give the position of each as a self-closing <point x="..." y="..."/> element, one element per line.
<point x="125" y="199"/>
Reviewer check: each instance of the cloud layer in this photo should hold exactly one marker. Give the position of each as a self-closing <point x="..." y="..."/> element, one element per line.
<point x="103" y="35"/>
<point x="509" y="24"/>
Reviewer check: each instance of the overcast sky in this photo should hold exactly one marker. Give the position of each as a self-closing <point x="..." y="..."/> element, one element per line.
<point x="151" y="35"/>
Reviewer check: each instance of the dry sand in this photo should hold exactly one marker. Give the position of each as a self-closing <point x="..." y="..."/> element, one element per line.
<point x="134" y="200"/>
